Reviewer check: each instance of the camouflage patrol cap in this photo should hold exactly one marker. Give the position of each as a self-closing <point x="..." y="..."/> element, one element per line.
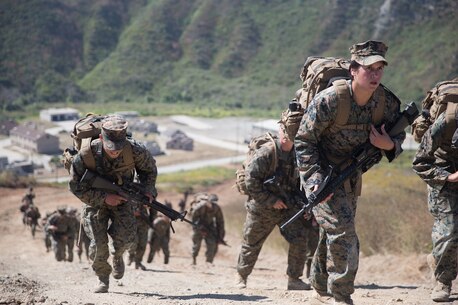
<point x="114" y="132"/>
<point x="369" y="52"/>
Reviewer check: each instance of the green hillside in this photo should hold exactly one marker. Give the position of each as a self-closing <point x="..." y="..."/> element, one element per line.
<point x="189" y="54"/>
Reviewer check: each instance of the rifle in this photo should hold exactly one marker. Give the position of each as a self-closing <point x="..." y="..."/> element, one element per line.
<point x="134" y="193"/>
<point x="212" y="232"/>
<point x="362" y="159"/>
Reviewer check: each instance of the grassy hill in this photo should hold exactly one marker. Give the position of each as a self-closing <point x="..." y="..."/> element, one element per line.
<point x="239" y="56"/>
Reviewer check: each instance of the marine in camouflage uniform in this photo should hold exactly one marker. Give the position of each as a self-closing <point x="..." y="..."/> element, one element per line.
<point x="109" y="214"/>
<point x="159" y="238"/>
<point x="436" y="162"/>
<point x="137" y="248"/>
<point x="320" y="143"/>
<point x="75" y="223"/>
<point x="208" y="216"/>
<point x="267" y="209"/>
<point x="60" y="229"/>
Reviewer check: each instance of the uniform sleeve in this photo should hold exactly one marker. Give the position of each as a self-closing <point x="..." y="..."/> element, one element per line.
<point x="424" y="163"/>
<point x="318" y="116"/>
<point x="145" y="165"/>
<point x="391" y="115"/>
<point x="84" y="191"/>
<point x="256" y="172"/>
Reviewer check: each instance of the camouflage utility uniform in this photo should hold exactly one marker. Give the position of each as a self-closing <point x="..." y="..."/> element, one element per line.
<point x="138" y="246"/>
<point x="159" y="238"/>
<point x="261" y="217"/>
<point x="208" y="216"/>
<point x="434" y="161"/>
<point x="335" y="262"/>
<point x="75" y="223"/>
<point x="101" y="219"/>
<point x="60" y="229"/>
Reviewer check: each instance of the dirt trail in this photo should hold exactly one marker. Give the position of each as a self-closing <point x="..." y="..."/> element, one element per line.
<point x="29" y="275"/>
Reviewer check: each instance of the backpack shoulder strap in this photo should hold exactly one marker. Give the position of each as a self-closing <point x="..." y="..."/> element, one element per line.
<point x="450" y="119"/>
<point x="86" y="154"/>
<point x="344" y="107"/>
<point x="343" y="101"/>
<point x="273" y="167"/>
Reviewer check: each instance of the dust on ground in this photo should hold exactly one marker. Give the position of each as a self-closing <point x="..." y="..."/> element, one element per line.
<point x="30" y="275"/>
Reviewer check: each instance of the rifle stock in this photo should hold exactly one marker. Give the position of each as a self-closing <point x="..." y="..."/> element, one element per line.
<point x="134" y="193"/>
<point x="363" y="159"/>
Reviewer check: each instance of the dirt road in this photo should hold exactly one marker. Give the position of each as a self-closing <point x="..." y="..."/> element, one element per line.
<point x="29" y="275"/>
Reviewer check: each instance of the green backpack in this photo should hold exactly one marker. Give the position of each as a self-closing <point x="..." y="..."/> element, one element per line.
<point x="441" y="98"/>
<point x="253" y="146"/>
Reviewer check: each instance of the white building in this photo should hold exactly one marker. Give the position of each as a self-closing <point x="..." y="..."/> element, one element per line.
<point x="32" y="138"/>
<point x="59" y="114"/>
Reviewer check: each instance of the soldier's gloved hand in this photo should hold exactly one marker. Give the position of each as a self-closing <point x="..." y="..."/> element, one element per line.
<point x="114" y="199"/>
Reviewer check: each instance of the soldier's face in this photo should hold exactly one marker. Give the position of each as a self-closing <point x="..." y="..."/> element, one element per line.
<point x="369" y="77"/>
<point x="113" y="154"/>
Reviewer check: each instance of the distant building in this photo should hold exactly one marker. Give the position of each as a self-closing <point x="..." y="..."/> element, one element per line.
<point x="153" y="148"/>
<point x="128" y="114"/>
<point x="6" y="126"/>
<point x="31" y="137"/>
<point x="261" y="127"/>
<point x="179" y="140"/>
<point x="59" y="114"/>
<point x="143" y="126"/>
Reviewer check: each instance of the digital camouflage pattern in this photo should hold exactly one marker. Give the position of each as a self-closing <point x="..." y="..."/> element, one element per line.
<point x="138" y="246"/>
<point x="434" y="161"/>
<point x="114" y="132"/>
<point x="369" y="52"/>
<point x="59" y="236"/>
<point x="209" y="218"/>
<point x="97" y="215"/>
<point x="261" y="217"/>
<point x="318" y="145"/>
<point x="159" y="238"/>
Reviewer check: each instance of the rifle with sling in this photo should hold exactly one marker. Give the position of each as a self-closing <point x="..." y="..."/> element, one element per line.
<point x="134" y="193"/>
<point x="212" y="232"/>
<point x="362" y="159"/>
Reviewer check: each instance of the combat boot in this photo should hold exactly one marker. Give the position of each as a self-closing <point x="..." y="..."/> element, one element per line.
<point x="343" y="300"/>
<point x="441" y="292"/>
<point x="166" y="260"/>
<point x="241" y="282"/>
<point x="193" y="260"/>
<point x="139" y="265"/>
<point x="297" y="284"/>
<point x="103" y="285"/>
<point x="320" y="297"/>
<point x="150" y="257"/>
<point x="118" y="267"/>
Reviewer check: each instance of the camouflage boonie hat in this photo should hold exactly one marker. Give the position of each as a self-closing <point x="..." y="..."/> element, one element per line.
<point x="114" y="132"/>
<point x="369" y="52"/>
